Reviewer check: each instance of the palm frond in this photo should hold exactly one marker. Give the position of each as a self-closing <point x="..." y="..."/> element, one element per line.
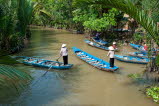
<point x="12" y="82"/>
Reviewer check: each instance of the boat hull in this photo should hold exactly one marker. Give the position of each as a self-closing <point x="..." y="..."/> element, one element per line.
<point x="98" y="46"/>
<point x="131" y="59"/>
<point x="45" y="63"/>
<point x="137" y="47"/>
<point x="93" y="61"/>
<point x="101" y="42"/>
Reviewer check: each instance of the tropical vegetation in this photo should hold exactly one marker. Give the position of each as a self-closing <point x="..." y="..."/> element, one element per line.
<point x="154" y="93"/>
<point x="91" y="16"/>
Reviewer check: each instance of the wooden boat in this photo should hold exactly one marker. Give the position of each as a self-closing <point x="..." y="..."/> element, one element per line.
<point x="97" y="45"/>
<point x="94" y="61"/>
<point x="45" y="63"/>
<point x="99" y="41"/>
<point x="138" y="54"/>
<point x="141" y="55"/>
<point x="132" y="59"/>
<point x="138" y="47"/>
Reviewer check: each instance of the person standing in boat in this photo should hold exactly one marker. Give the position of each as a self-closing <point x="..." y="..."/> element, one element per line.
<point x="111" y="56"/>
<point x="64" y="54"/>
<point x="114" y="45"/>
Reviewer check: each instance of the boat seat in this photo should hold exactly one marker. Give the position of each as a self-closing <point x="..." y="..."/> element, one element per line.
<point x="89" y="61"/>
<point x="144" y="60"/>
<point x="100" y="65"/>
<point x="93" y="62"/>
<point x="135" y="59"/>
<point x="125" y="58"/>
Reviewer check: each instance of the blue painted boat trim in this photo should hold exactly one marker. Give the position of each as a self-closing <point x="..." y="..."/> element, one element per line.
<point x="138" y="47"/>
<point x="131" y="59"/>
<point x="102" y="65"/>
<point x="138" y="54"/>
<point x="42" y="63"/>
<point x="96" y="45"/>
<point x="100" y="41"/>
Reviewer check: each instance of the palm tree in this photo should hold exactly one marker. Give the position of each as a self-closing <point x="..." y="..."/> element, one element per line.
<point x="24" y="13"/>
<point x="7" y="23"/>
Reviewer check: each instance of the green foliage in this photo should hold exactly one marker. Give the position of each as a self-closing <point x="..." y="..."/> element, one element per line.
<point x="157" y="60"/>
<point x="137" y="37"/>
<point x="100" y="24"/>
<point x="24" y="13"/>
<point x="135" y="76"/>
<point x="12" y="82"/>
<point x="82" y="15"/>
<point x="15" y="16"/>
<point x="136" y="13"/>
<point x="57" y="13"/>
<point x="7" y="60"/>
<point x="154" y="93"/>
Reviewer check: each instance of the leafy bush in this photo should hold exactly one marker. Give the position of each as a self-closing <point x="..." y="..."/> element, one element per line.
<point x="153" y="92"/>
<point x="137" y="37"/>
<point x="100" y="24"/>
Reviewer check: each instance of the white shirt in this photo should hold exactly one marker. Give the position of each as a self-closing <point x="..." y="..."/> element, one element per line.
<point x="64" y="51"/>
<point x="111" y="54"/>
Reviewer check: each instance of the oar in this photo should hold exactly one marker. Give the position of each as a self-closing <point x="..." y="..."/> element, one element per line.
<point x="50" y="67"/>
<point x="52" y="63"/>
<point x="58" y="58"/>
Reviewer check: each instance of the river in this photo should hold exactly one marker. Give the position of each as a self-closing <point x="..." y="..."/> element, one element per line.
<point x="83" y="84"/>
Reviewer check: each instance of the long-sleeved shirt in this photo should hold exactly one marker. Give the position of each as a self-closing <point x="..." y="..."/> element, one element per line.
<point x="64" y="51"/>
<point x="111" y="54"/>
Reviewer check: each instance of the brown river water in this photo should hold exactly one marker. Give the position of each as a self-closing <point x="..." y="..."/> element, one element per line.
<point x="83" y="85"/>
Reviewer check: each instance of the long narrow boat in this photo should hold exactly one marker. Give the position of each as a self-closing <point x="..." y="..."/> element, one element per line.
<point x="45" y="63"/>
<point x="141" y="55"/>
<point x="138" y="54"/>
<point x="131" y="59"/>
<point x="94" y="61"/>
<point x="99" y="41"/>
<point x="93" y="44"/>
<point x="138" y="47"/>
<point x="96" y="45"/>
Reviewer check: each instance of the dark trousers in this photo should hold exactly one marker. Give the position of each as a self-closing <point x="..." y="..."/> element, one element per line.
<point x="65" y="60"/>
<point x="111" y="61"/>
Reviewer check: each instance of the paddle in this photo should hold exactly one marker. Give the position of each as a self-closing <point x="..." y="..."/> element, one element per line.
<point x="52" y="63"/>
<point x="50" y="67"/>
<point x="58" y="58"/>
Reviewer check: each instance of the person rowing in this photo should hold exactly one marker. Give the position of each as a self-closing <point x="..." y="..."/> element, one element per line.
<point x="111" y="56"/>
<point x="64" y="53"/>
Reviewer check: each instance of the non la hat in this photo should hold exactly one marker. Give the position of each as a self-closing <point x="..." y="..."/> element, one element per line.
<point x="63" y="45"/>
<point x="111" y="48"/>
<point x="114" y="42"/>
